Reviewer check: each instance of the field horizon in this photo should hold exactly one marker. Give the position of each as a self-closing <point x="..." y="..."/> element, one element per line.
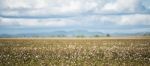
<point x="112" y="37"/>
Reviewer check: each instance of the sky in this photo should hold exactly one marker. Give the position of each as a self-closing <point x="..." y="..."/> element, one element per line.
<point x="25" y="16"/>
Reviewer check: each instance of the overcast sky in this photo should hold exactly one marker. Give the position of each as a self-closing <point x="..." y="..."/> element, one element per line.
<point x="18" y="16"/>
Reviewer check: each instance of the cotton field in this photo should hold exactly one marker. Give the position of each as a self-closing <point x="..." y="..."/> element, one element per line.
<point x="74" y="52"/>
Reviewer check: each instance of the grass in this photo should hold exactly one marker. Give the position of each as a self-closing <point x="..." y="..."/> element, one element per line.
<point x="75" y="52"/>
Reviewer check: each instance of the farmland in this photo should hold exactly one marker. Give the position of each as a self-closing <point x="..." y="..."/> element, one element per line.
<point x="75" y="52"/>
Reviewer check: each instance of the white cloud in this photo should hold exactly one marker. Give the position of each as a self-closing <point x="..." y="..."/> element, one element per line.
<point x="83" y="22"/>
<point x="108" y="20"/>
<point x="52" y="8"/>
<point x="135" y="19"/>
<point x="121" y="4"/>
<point x="36" y="22"/>
<point x="46" y="7"/>
<point x="124" y="6"/>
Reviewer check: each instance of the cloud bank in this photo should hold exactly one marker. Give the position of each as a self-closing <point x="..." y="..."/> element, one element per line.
<point x="76" y="13"/>
<point x="43" y="8"/>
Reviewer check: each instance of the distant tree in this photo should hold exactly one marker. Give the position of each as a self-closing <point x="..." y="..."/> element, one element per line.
<point x="146" y="34"/>
<point x="107" y="35"/>
<point x="80" y="36"/>
<point x="61" y="35"/>
<point x="96" y="36"/>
